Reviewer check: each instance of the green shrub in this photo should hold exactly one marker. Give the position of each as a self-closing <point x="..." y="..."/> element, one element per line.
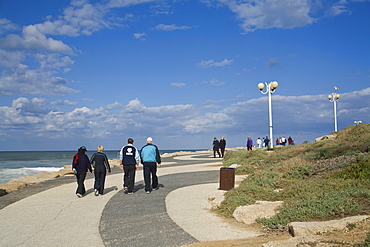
<point x="299" y="172"/>
<point x="258" y="186"/>
<point x="245" y="169"/>
<point x="360" y="170"/>
<point x="233" y="199"/>
<point x="321" y="199"/>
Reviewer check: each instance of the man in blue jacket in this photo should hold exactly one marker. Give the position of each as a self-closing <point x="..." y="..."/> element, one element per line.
<point x="150" y="157"/>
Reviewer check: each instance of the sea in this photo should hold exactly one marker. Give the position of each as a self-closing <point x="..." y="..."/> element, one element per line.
<point x="16" y="164"/>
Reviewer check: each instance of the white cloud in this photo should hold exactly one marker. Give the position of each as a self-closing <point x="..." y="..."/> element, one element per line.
<point x="266" y="14"/>
<point x="21" y="79"/>
<point x="135" y="106"/>
<point x="201" y="124"/>
<point x="115" y="105"/>
<point x="272" y="62"/>
<point x="213" y="63"/>
<point x="303" y="117"/>
<point x="32" y="45"/>
<point x="286" y="14"/>
<point x="6" y="25"/>
<point x="250" y="69"/>
<point x="215" y="82"/>
<point x="64" y="102"/>
<point x="139" y="36"/>
<point x="178" y="84"/>
<point x="172" y="27"/>
<point x="126" y="3"/>
<point x="338" y="8"/>
<point x="11" y="59"/>
<point x="53" y="61"/>
<point x="33" y="40"/>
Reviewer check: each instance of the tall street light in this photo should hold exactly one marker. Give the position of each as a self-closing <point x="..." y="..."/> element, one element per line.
<point x="334" y="97"/>
<point x="270" y="89"/>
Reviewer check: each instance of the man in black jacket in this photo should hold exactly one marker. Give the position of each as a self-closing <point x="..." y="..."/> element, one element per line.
<point x="129" y="157"/>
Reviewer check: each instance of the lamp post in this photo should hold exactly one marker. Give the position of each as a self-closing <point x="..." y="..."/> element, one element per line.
<point x="270" y="89"/>
<point x="334" y="97"/>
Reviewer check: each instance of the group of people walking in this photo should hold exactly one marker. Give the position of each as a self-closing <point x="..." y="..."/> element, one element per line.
<point x="261" y="143"/>
<point x="283" y="141"/>
<point x="219" y="145"/>
<point x="265" y="142"/>
<point x="129" y="162"/>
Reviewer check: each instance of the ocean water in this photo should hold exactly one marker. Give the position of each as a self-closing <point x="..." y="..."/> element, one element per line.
<point x="27" y="163"/>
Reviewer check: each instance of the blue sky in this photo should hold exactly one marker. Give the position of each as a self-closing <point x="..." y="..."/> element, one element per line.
<point x="95" y="73"/>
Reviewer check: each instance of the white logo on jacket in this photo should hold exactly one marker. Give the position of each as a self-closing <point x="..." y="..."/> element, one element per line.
<point x="129" y="151"/>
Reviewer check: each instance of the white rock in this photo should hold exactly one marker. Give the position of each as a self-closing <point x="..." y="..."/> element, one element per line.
<point x="261" y="209"/>
<point x="306" y="228"/>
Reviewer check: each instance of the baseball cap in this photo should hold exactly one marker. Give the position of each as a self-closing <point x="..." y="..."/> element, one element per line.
<point x="149" y="139"/>
<point x="83" y="147"/>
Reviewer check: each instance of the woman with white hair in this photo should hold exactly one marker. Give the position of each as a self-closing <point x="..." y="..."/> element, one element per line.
<point x="100" y="163"/>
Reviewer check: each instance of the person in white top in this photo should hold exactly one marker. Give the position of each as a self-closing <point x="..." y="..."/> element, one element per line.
<point x="259" y="142"/>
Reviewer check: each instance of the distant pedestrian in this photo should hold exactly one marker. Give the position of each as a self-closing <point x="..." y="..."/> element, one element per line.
<point x="249" y="144"/>
<point x="101" y="165"/>
<point x="216" y="148"/>
<point x="267" y="142"/>
<point x="283" y="140"/>
<point x="150" y="157"/>
<point x="129" y="157"/>
<point x="80" y="166"/>
<point x="259" y="142"/>
<point x="222" y="146"/>
<point x="290" y="141"/>
<point x="277" y="141"/>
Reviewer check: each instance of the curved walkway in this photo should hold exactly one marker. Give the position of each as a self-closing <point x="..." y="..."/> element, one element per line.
<point x="56" y="217"/>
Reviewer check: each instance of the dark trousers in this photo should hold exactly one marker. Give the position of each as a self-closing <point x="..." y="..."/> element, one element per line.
<point x="100" y="173"/>
<point x="129" y="177"/>
<point x="150" y="170"/>
<point x="80" y="182"/>
<point x="214" y="153"/>
<point x="222" y="152"/>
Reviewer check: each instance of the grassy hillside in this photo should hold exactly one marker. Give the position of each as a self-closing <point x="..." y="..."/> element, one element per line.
<point x="324" y="180"/>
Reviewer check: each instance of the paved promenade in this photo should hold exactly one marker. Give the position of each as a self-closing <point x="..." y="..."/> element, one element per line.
<point x="174" y="215"/>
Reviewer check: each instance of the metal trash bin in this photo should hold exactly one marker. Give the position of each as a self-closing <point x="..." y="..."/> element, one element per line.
<point x="227" y="178"/>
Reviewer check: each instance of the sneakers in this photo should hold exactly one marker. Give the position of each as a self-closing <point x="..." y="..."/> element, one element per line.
<point x="125" y="189"/>
<point x="148" y="192"/>
<point x="79" y="195"/>
<point x="96" y="192"/>
<point x="130" y="193"/>
<point x="156" y="188"/>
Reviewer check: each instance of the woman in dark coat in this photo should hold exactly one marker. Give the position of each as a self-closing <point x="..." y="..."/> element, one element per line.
<point x="101" y="165"/>
<point x="80" y="166"/>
